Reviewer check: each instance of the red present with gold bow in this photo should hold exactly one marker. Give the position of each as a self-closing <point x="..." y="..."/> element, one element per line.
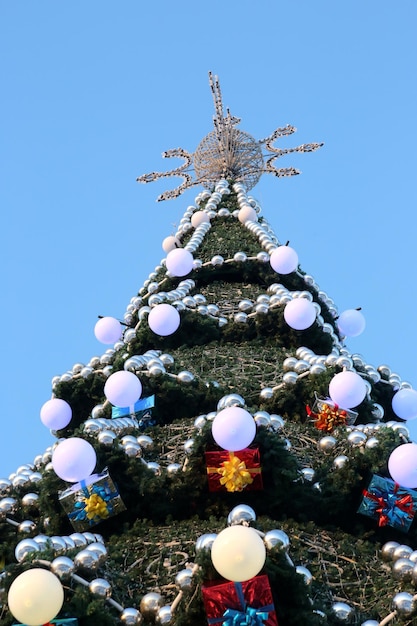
<point x="327" y="415"/>
<point x="249" y="602"/>
<point x="234" y="471"/>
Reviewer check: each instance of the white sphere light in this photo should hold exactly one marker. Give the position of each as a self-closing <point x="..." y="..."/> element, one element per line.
<point x="170" y="243"/>
<point x="108" y="330"/>
<point x="35" y="597"/>
<point x="164" y="320"/>
<point x="300" y="313"/>
<point x="198" y="218"/>
<point x="347" y="389"/>
<point x="246" y="214"/>
<point x="351" y="323"/>
<point x="123" y="389"/>
<point x="402" y="465"/>
<point x="233" y="428"/>
<point x="179" y="262"/>
<point x="56" y="414"/>
<point x="74" y="459"/>
<point x="284" y="260"/>
<point x="404" y="404"/>
<point x="238" y="553"/>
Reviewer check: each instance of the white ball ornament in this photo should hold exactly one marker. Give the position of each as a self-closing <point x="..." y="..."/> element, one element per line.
<point x="164" y="320"/>
<point x="108" y="330"/>
<point x="347" y="389"/>
<point x="238" y="553"/>
<point x="123" y="389"/>
<point x="170" y="243"/>
<point x="56" y="414"/>
<point x="179" y="262"/>
<point x="284" y="260"/>
<point x="404" y="404"/>
<point x="402" y="465"/>
<point x="74" y="459"/>
<point x="35" y="597"/>
<point x="246" y="214"/>
<point x="233" y="428"/>
<point x="300" y="313"/>
<point x="351" y="323"/>
<point x="198" y="218"/>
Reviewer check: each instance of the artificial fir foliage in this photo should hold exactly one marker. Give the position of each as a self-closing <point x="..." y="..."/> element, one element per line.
<point x="233" y="347"/>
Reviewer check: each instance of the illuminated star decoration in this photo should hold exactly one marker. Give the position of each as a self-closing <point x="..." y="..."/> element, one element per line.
<point x="228" y="153"/>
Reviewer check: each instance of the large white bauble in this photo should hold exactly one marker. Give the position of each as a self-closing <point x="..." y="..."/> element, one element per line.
<point x="56" y="414"/>
<point x="347" y="389"/>
<point x="238" y="553"/>
<point x="179" y="262"/>
<point x="284" y="260"/>
<point x="404" y="404"/>
<point x="300" y="313"/>
<point x="233" y="428"/>
<point x="351" y="323"/>
<point x="164" y="319"/>
<point x="123" y="388"/>
<point x="108" y="330"/>
<point x="35" y="597"/>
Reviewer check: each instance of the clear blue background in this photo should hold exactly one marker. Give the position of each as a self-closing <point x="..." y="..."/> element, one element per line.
<point x="93" y="92"/>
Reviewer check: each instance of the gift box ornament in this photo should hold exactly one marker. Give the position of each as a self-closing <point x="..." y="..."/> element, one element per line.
<point x="141" y="410"/>
<point x="91" y="501"/>
<point x="388" y="503"/>
<point x="234" y="471"/>
<point x="327" y="415"/>
<point x="248" y="603"/>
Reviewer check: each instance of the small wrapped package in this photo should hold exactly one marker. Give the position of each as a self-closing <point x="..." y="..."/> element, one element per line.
<point x="249" y="602"/>
<point x="141" y="410"/>
<point x="234" y="471"/>
<point x="327" y="415"/>
<point x="388" y="503"/>
<point x="91" y="501"/>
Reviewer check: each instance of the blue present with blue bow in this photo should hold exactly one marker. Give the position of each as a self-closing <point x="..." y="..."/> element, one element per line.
<point x="142" y="410"/>
<point x="248" y="603"/>
<point x="389" y="503"/>
<point x="91" y="501"/>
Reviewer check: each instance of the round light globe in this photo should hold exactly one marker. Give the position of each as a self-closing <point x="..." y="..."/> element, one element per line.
<point x="238" y="553"/>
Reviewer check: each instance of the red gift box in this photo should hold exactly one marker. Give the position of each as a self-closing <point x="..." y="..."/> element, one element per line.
<point x="225" y="603"/>
<point x="234" y="471"/>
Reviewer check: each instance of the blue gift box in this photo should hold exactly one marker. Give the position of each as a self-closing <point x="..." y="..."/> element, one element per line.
<point x="142" y="410"/>
<point x="91" y="501"/>
<point x="390" y="504"/>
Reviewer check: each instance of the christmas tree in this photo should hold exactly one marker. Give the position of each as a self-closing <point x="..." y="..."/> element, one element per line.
<point x="227" y="460"/>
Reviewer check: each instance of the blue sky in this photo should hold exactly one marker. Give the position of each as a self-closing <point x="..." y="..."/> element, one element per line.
<point x="93" y="92"/>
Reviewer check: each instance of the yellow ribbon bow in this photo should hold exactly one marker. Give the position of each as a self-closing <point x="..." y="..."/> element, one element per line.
<point x="234" y="474"/>
<point x="95" y="506"/>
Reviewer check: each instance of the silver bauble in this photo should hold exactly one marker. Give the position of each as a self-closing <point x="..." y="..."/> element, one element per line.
<point x="86" y="560"/>
<point x="384" y="370"/>
<point x="63" y="567"/>
<point x="42" y="541"/>
<point x="401" y="429"/>
<point x="131" y="617"/>
<point x="79" y="540"/>
<point x="26" y="527"/>
<point x="200" y="422"/>
<point x="106" y="437"/>
<point x="100" y="587"/>
<point x="58" y="544"/>
<point x="232" y="399"/>
<point x="99" y="550"/>
<point x="343" y="612"/>
<point x="305" y="573"/>
<point x="145" y="442"/>
<point x="301" y="366"/>
<point x="164" y="616"/>
<point x="154" y="467"/>
<point x="173" y="468"/>
<point x="240" y="318"/>
<point x="8" y="505"/>
<point x="188" y="446"/>
<point x="404" y="604"/>
<point x="357" y="438"/>
<point x="132" y="449"/>
<point x="20" y="480"/>
<point x="290" y="378"/>
<point x="387" y="550"/>
<point x="184" y="579"/>
<point x="241" y="514"/>
<point x="167" y="359"/>
<point x="205" y="542"/>
<point x="30" y="499"/>
<point x="92" y="426"/>
<point x="5" y="486"/>
<point x="266" y="393"/>
<point x="90" y="537"/>
<point x="245" y="305"/>
<point x="24" y="548"/>
<point x="403" y="569"/>
<point x="327" y="443"/>
<point x="401" y="552"/>
<point x="277" y="539"/>
<point x="370" y="622"/>
<point x="308" y="474"/>
<point x="276" y="422"/>
<point x="217" y="260"/>
<point x="240" y="257"/>
<point x="317" y="368"/>
<point x="262" y="418"/>
<point x="372" y="442"/>
<point x="340" y="461"/>
<point x="185" y="377"/>
<point x="150" y="605"/>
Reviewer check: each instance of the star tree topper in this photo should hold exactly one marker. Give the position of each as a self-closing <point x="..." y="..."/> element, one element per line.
<point x="228" y="153"/>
